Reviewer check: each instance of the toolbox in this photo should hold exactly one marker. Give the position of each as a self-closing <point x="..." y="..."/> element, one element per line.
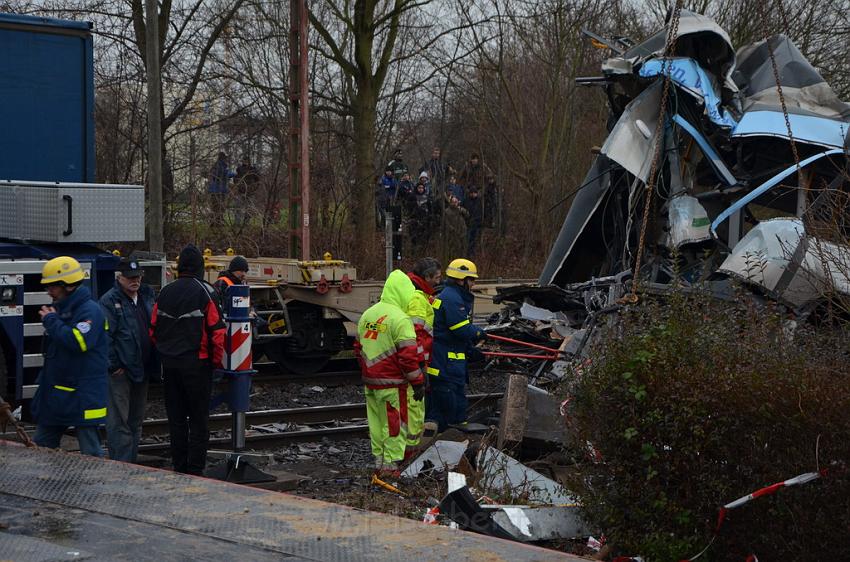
<point x="71" y="212"/>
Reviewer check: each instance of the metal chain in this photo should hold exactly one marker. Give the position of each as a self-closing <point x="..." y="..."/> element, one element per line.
<point x="763" y="6"/>
<point x="784" y="15"/>
<point x="6" y="416"/>
<point x="672" y="33"/>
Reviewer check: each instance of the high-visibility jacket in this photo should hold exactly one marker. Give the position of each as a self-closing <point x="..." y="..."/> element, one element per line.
<point x="72" y="385"/>
<point x="386" y="341"/>
<point x="225" y="280"/>
<point x="421" y="312"/>
<point x="454" y="333"/>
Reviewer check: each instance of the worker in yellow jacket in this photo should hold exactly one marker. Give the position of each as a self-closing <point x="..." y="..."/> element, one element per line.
<point x="390" y="364"/>
<point x="426" y="274"/>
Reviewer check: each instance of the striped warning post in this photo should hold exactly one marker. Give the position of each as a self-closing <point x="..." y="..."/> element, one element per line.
<point x="238" y="352"/>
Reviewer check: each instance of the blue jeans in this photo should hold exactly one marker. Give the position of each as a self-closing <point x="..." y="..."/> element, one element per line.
<point x="446" y="404"/>
<point x="88" y="438"/>
<point x="124" y="417"/>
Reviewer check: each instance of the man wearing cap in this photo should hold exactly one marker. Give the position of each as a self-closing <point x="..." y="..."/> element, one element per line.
<point x="132" y="359"/>
<point x="72" y="388"/>
<point x="236" y="273"/>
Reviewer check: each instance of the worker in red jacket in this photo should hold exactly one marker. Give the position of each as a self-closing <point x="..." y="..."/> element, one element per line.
<point x="188" y="332"/>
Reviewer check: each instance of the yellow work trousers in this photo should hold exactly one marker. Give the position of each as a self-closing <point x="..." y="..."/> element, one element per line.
<point x="386" y="412"/>
<point x="415" y="418"/>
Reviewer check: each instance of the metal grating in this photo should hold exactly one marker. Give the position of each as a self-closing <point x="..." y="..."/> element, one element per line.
<point x="279" y="523"/>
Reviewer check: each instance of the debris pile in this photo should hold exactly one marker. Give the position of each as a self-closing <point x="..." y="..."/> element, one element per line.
<point x="529" y="507"/>
<point x="740" y="172"/>
<point x="721" y="169"/>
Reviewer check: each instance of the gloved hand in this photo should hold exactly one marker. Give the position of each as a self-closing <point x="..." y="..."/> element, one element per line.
<point x="480" y="335"/>
<point x="418" y="392"/>
<point x="475" y="355"/>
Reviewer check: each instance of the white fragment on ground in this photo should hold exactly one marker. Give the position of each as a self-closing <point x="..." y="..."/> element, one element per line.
<point x="440" y="456"/>
<point x="456" y="481"/>
<point x="505" y="474"/>
<point x="518" y="519"/>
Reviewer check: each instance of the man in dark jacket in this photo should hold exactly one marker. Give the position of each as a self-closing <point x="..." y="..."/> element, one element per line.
<point x="476" y="174"/>
<point x="236" y="273"/>
<point x="474" y="215"/>
<point x="132" y="359"/>
<point x="436" y="171"/>
<point x="188" y="332"/>
<point x="72" y="387"/>
<point x="454" y="340"/>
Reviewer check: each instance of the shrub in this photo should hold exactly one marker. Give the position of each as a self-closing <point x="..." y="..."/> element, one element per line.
<point x="692" y="403"/>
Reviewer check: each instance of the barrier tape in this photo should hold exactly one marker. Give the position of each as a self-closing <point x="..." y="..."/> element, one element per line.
<point x="766" y="491"/>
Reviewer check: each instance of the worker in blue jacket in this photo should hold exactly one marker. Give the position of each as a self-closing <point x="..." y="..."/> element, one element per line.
<point x="72" y="385"/>
<point x="454" y="340"/>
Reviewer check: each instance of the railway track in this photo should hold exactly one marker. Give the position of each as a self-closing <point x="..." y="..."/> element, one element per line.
<point x="269" y="374"/>
<point x="318" y="416"/>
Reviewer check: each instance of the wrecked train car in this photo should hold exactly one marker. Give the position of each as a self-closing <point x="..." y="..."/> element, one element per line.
<point x="731" y="186"/>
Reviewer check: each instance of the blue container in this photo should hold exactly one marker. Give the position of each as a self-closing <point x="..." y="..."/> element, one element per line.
<point x="47" y="93"/>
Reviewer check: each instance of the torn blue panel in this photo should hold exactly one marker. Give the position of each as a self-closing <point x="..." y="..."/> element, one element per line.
<point x="688" y="74"/>
<point x="767" y="186"/>
<point x="805" y="128"/>
<point x="709" y="152"/>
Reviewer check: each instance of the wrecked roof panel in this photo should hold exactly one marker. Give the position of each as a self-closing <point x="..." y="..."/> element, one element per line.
<point x="585" y="204"/>
<point x="725" y="156"/>
<point x="805" y="128"/>
<point x="694" y="80"/>
<point x="803" y="87"/>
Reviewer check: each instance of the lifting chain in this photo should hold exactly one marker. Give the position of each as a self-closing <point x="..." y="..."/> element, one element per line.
<point x="672" y="35"/>
<point x="763" y="6"/>
<point x="6" y="417"/>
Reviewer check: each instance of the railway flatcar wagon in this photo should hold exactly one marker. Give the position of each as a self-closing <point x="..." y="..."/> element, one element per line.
<point x="309" y="309"/>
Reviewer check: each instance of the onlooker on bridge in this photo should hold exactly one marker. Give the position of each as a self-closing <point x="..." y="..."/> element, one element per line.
<point x="477" y="174"/>
<point x="220" y="175"/>
<point x="436" y="171"/>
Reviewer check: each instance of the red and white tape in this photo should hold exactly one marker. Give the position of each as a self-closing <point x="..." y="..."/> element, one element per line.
<point x="766" y="491"/>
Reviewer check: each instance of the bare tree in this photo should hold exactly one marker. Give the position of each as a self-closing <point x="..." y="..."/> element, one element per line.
<point x="364" y="40"/>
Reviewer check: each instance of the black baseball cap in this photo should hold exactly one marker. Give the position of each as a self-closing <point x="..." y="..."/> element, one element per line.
<point x="130" y="268"/>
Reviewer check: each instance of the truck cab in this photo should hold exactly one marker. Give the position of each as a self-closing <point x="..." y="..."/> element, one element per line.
<point x="50" y="204"/>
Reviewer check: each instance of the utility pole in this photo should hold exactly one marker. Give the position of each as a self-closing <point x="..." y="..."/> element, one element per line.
<point x="154" y="126"/>
<point x="299" y="133"/>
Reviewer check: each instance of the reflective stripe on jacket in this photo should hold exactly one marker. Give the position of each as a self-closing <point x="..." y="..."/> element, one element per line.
<point x="225" y="280"/>
<point x="453" y="334"/>
<point x="186" y="323"/>
<point x="72" y="385"/>
<point x="386" y="340"/>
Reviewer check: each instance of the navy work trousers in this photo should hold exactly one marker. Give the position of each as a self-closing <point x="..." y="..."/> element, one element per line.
<point x="88" y="438"/>
<point x="446" y="404"/>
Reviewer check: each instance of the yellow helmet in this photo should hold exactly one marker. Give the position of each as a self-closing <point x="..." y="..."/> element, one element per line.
<point x="63" y="269"/>
<point x="461" y="269"/>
